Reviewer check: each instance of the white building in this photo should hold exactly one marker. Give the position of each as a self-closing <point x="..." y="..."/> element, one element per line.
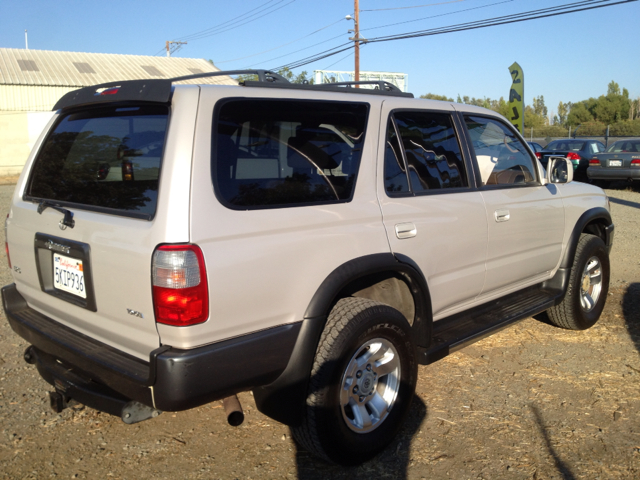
<point x="32" y="81"/>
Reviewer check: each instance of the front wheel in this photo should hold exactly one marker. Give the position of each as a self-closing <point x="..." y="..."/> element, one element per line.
<point x="588" y="286"/>
<point x="362" y="382"/>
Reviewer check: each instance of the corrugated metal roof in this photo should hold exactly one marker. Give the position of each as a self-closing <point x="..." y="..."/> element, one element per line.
<point x="77" y="69"/>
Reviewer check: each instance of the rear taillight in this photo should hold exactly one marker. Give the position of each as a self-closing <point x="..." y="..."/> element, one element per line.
<point x="6" y="241"/>
<point x="127" y="170"/>
<point x="635" y="163"/>
<point x="594" y="162"/>
<point x="180" y="292"/>
<point x="573" y="156"/>
<point x="539" y="155"/>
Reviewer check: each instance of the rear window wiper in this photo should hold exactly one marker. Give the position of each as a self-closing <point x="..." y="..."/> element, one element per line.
<point x="67" y="221"/>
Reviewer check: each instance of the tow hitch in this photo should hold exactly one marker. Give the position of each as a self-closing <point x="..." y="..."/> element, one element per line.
<point x="69" y="387"/>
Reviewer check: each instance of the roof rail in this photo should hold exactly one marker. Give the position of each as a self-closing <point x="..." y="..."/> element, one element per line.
<point x="159" y="90"/>
<point x="263" y="75"/>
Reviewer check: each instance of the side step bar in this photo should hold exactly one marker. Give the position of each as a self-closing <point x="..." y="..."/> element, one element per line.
<point x="458" y="331"/>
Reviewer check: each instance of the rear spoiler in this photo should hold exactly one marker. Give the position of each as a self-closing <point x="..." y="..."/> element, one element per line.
<point x="152" y="90"/>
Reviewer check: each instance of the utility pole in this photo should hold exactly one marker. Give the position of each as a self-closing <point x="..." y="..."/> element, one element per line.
<point x="169" y="46"/>
<point x="357" y="37"/>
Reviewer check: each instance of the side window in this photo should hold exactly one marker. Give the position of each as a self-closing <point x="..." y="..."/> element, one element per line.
<point x="277" y="153"/>
<point x="502" y="157"/>
<point x="395" y="171"/>
<point x="432" y="155"/>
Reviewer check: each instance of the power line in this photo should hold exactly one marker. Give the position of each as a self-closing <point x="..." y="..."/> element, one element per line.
<point x="221" y="29"/>
<point x="495" y="21"/>
<point x="288" y="43"/>
<point x="305" y="48"/>
<point x="226" y="22"/>
<point x="436" y="16"/>
<point x="414" y="6"/>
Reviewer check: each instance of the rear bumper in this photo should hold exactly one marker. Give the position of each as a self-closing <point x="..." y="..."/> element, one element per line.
<point x="600" y="173"/>
<point x="172" y="379"/>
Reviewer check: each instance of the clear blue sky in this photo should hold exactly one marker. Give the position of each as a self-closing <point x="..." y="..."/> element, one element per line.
<point x="570" y="57"/>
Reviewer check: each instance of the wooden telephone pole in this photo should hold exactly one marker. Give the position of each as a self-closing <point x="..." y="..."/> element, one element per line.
<point x="357" y="39"/>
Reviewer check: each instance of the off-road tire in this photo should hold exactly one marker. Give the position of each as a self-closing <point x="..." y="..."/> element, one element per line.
<point x="571" y="313"/>
<point x="352" y="324"/>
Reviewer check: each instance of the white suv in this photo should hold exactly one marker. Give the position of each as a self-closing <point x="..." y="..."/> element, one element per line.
<point x="172" y="245"/>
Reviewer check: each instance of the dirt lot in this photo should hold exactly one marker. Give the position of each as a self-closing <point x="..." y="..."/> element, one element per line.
<point x="533" y="401"/>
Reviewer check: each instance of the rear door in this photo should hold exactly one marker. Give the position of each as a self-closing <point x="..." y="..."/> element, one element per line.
<point x="430" y="212"/>
<point x="102" y="165"/>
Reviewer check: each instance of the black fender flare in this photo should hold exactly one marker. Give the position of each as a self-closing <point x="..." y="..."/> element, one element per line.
<point x="283" y="400"/>
<point x="597" y="213"/>
<point x="560" y="281"/>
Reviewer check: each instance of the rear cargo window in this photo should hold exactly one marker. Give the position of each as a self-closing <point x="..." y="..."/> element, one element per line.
<point x="278" y="153"/>
<point x="103" y="159"/>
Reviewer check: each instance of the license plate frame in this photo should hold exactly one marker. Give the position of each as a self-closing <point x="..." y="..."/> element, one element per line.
<point x="615" y="163"/>
<point x="68" y="275"/>
<point x="46" y="246"/>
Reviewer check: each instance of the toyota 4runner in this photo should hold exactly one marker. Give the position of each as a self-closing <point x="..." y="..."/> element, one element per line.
<point x="174" y="244"/>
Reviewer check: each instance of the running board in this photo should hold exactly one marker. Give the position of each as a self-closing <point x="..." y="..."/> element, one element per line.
<point x="459" y="330"/>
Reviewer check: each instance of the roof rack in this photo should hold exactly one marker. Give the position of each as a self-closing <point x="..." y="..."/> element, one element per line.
<point x="159" y="90"/>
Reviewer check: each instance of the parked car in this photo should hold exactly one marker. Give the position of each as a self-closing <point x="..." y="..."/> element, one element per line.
<point x="577" y="150"/>
<point x="536" y="147"/>
<point x="310" y="243"/>
<point x="621" y="161"/>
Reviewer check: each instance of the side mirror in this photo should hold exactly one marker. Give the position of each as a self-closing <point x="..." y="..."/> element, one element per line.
<point x="559" y="170"/>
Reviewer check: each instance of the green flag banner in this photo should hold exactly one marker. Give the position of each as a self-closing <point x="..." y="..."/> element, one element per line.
<point x="516" y="97"/>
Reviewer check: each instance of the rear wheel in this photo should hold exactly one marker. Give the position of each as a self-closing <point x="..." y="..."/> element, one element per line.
<point x="362" y="382"/>
<point x="588" y="286"/>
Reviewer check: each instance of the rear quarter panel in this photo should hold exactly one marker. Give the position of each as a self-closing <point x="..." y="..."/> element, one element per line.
<point x="264" y="266"/>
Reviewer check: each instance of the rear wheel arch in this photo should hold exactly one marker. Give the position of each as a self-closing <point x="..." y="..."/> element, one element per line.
<point x="363" y="277"/>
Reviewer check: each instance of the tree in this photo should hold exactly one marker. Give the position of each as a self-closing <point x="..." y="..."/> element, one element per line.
<point x="283" y="72"/>
<point x="539" y="107"/>
<point x="579" y="114"/>
<point x="563" y="112"/>
<point x="433" y="96"/>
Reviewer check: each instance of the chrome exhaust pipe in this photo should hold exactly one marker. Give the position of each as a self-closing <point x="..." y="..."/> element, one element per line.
<point x="233" y="409"/>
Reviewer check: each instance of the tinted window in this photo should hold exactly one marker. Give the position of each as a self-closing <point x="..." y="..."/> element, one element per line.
<point x="103" y="158"/>
<point x="567" y="145"/>
<point x="431" y="151"/>
<point x="632" y="146"/>
<point x="395" y="172"/>
<point x="502" y="158"/>
<point x="270" y="153"/>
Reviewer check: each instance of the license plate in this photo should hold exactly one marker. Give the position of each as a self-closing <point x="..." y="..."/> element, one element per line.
<point x="68" y="275"/>
<point x="615" y="163"/>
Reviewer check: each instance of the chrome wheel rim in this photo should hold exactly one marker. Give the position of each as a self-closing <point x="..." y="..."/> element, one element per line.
<point x="370" y="385"/>
<point x="591" y="284"/>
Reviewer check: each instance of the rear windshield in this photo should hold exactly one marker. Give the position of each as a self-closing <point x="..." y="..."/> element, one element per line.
<point x="567" y="145"/>
<point x="103" y="159"/>
<point x="283" y="153"/>
<point x="624" y="146"/>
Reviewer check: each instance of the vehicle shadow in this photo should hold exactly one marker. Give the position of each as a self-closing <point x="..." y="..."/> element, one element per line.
<point x="626" y="203"/>
<point x="562" y="467"/>
<point x="631" y="313"/>
<point x="393" y="462"/>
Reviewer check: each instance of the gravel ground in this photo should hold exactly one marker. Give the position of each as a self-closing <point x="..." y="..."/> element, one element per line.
<point x="533" y="402"/>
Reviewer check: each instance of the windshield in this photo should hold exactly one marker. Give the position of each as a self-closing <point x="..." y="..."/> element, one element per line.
<point x="632" y="146"/>
<point x="105" y="158"/>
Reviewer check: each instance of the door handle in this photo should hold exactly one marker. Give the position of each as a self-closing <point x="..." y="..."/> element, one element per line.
<point x="406" y="230"/>
<point x="502" y="215"/>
